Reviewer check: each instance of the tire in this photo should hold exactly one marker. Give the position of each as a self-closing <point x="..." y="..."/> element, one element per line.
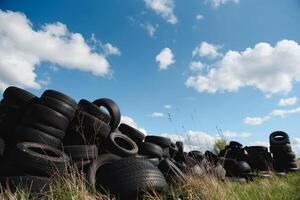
<point x="232" y="167"/>
<point x="280" y="148"/>
<point x="197" y="155"/>
<point x="173" y="150"/>
<point x="40" y="159"/>
<point x="211" y="157"/>
<point x="180" y="147"/>
<point x="150" y="149"/>
<point x="134" y="134"/>
<point x="96" y="166"/>
<point x="279" y="138"/>
<point x="129" y="178"/>
<point x="10" y="169"/>
<point x="291" y="165"/>
<point x="83" y="165"/>
<point x="81" y="152"/>
<point x="244" y="167"/>
<point x="17" y="94"/>
<point x="32" y="123"/>
<point x="59" y="106"/>
<point x="47" y="116"/>
<point x="2" y="147"/>
<point x="113" y="110"/>
<point x="24" y="134"/>
<point x="235" y="145"/>
<point x="121" y="145"/>
<point x="60" y="96"/>
<point x="33" y="184"/>
<point x="160" y="141"/>
<point x="171" y="172"/>
<point x="256" y="149"/>
<point x="92" y="109"/>
<point x="285" y="156"/>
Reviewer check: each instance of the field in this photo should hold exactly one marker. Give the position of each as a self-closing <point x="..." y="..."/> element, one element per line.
<point x="196" y="188"/>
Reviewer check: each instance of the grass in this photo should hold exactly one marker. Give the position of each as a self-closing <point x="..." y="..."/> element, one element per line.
<point x="196" y="188"/>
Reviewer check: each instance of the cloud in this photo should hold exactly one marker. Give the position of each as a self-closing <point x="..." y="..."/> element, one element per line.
<point x="157" y="114"/>
<point x="217" y="3"/>
<point x="167" y="106"/>
<point x="272" y="70"/>
<point x="205" y="49"/>
<point x="199" y="17"/>
<point x="260" y="143"/>
<point x="196" y="66"/>
<point x="129" y="121"/>
<point x="165" y="58"/>
<point x="22" y="48"/>
<point x="296" y="146"/>
<point x="256" y="120"/>
<point x="151" y="29"/>
<point x="111" y="50"/>
<point x="233" y="134"/>
<point x="274" y="113"/>
<point x="164" y="8"/>
<point x="287" y="101"/>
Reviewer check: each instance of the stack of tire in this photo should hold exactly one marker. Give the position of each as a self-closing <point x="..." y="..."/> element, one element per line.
<point x="283" y="156"/>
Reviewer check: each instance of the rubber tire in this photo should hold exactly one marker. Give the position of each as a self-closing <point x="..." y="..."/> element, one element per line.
<point x="39" y="164"/>
<point x="173" y="150"/>
<point x="50" y="130"/>
<point x="171" y="172"/>
<point x="150" y="149"/>
<point x="211" y="157"/>
<point x="113" y="146"/>
<point x="129" y="178"/>
<point x="24" y="134"/>
<point x="2" y="147"/>
<point x="285" y="138"/>
<point x="160" y="141"/>
<point x="235" y="144"/>
<point x="81" y="152"/>
<point x="280" y="148"/>
<point x="134" y="134"/>
<point x="47" y="116"/>
<point x="33" y="184"/>
<point x="60" y="96"/>
<point x="17" y="94"/>
<point x="180" y="147"/>
<point x="96" y="166"/>
<point x="244" y="166"/>
<point x="85" y="105"/>
<point x="113" y="109"/>
<point x="256" y="149"/>
<point x="59" y="106"/>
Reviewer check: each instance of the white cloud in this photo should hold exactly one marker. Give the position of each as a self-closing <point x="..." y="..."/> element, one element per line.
<point x="256" y="120"/>
<point x="287" y="101"/>
<point x="269" y="69"/>
<point x="22" y="48"/>
<point x="196" y="66"/>
<point x="167" y="106"/>
<point x="157" y="114"/>
<point x="260" y="143"/>
<point x="111" y="50"/>
<point x="217" y="3"/>
<point x="231" y="134"/>
<point x="151" y="29"/>
<point x="164" y="8"/>
<point x="205" y="49"/>
<point x="129" y="121"/>
<point x="284" y="113"/>
<point x="199" y="17"/>
<point x="296" y="146"/>
<point x="165" y="58"/>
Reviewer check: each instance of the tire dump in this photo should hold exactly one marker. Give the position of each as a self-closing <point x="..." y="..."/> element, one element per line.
<point x="46" y="136"/>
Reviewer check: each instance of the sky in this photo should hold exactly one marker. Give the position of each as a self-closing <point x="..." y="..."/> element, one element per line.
<point x="192" y="70"/>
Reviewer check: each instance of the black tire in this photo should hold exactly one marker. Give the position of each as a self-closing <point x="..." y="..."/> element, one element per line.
<point x="160" y="141"/>
<point x="280" y="148"/>
<point x="197" y="155"/>
<point x="285" y="156"/>
<point x="132" y="133"/>
<point x="59" y="106"/>
<point x="256" y="149"/>
<point x="279" y="138"/>
<point x="129" y="178"/>
<point x="231" y="166"/>
<point x="171" y="172"/>
<point x="150" y="149"/>
<point x="24" y="134"/>
<point x="8" y="168"/>
<point x="211" y="157"/>
<point x="121" y="145"/>
<point x="96" y="166"/>
<point x="244" y="167"/>
<point x="291" y="165"/>
<point x="83" y="165"/>
<point x="40" y="159"/>
<point x="61" y="97"/>
<point x="33" y="123"/>
<point x="33" y="184"/>
<point x="113" y="110"/>
<point x="180" y="147"/>
<point x="92" y="109"/>
<point x="48" y="116"/>
<point x="2" y="147"/>
<point x="81" y="152"/>
<point x="173" y="150"/>
<point x="235" y="145"/>
<point x="18" y="95"/>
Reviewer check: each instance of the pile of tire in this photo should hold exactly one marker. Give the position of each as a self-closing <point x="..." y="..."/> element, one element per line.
<point x="283" y="157"/>
<point x="47" y="136"/>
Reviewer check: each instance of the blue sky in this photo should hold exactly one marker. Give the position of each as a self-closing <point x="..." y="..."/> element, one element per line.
<point x="139" y="53"/>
